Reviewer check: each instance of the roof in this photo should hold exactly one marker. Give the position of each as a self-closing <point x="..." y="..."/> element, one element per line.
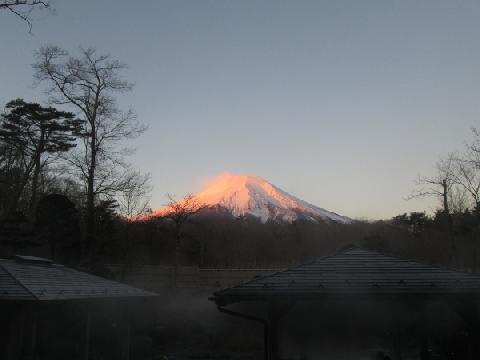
<point x="37" y="279"/>
<point x="354" y="271"/>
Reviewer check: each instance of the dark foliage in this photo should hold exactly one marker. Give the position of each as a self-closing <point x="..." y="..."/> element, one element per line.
<point x="31" y="134"/>
<point x="57" y="224"/>
<point x="225" y="241"/>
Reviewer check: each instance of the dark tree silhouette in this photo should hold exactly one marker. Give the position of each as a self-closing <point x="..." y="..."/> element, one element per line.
<point x="35" y="133"/>
<point x="87" y="84"/>
<point x="467" y="169"/>
<point x="133" y="200"/>
<point x="180" y="212"/>
<point x="441" y="186"/>
<point x="15" y="232"/>
<point x="57" y="224"/>
<point x="415" y="222"/>
<point x="11" y="175"/>
<point x="24" y="8"/>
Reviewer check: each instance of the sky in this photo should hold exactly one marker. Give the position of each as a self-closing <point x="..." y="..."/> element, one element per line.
<point x="340" y="103"/>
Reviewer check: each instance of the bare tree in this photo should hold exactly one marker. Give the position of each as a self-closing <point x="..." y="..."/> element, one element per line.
<point x="475" y="144"/>
<point x="134" y="199"/>
<point x="467" y="176"/>
<point x="87" y="84"/>
<point x="438" y="185"/>
<point x="133" y="202"/>
<point x="458" y="200"/>
<point x="24" y="8"/>
<point x="461" y="173"/>
<point x="441" y="186"/>
<point x="181" y="212"/>
<point x="468" y="168"/>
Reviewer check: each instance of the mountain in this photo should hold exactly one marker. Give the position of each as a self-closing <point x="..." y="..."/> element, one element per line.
<point x="249" y="195"/>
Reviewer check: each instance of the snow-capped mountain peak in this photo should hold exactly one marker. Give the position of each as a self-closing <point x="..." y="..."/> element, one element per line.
<point x="243" y="195"/>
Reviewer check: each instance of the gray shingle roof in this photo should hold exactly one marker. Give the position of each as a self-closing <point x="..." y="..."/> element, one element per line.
<point x="355" y="271"/>
<point x="39" y="280"/>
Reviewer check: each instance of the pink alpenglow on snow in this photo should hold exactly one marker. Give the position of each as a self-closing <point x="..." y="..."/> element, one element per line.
<point x="244" y="195"/>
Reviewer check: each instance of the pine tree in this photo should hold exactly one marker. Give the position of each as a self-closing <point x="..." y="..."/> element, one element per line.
<point x="36" y="134"/>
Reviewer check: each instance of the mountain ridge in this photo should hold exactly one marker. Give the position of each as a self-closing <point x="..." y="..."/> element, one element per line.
<point x="243" y="195"/>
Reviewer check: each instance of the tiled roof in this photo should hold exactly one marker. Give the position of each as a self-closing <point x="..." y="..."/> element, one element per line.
<point x="39" y="280"/>
<point x="355" y="271"/>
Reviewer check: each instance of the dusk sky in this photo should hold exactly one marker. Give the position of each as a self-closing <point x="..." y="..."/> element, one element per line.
<point x="340" y="103"/>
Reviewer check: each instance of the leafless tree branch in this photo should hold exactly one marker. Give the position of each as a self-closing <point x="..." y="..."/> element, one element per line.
<point x="88" y="84"/>
<point x="23" y="8"/>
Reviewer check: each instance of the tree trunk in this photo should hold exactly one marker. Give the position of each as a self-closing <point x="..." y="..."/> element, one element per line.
<point x="445" y="197"/>
<point x="36" y="174"/>
<point x="90" y="215"/>
<point x="449" y="222"/>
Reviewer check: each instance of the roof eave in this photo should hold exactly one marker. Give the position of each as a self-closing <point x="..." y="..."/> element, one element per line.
<point x="222" y="299"/>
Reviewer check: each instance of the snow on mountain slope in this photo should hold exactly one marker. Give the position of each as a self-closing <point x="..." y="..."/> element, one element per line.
<point x="251" y="195"/>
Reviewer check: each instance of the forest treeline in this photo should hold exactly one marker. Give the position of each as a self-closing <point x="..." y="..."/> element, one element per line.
<point x="68" y="192"/>
<point x="213" y="238"/>
<point x="64" y="171"/>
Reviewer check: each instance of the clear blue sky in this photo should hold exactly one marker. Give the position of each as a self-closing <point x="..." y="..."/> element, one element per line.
<point x="341" y="103"/>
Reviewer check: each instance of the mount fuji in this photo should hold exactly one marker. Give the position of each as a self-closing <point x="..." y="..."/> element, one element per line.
<point x="250" y="195"/>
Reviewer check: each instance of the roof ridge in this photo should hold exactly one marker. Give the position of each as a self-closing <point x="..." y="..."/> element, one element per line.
<point x="403" y="260"/>
<point x="344" y="250"/>
<point x="410" y="260"/>
<point x="17" y="280"/>
<point x="262" y="277"/>
<point x="336" y="274"/>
